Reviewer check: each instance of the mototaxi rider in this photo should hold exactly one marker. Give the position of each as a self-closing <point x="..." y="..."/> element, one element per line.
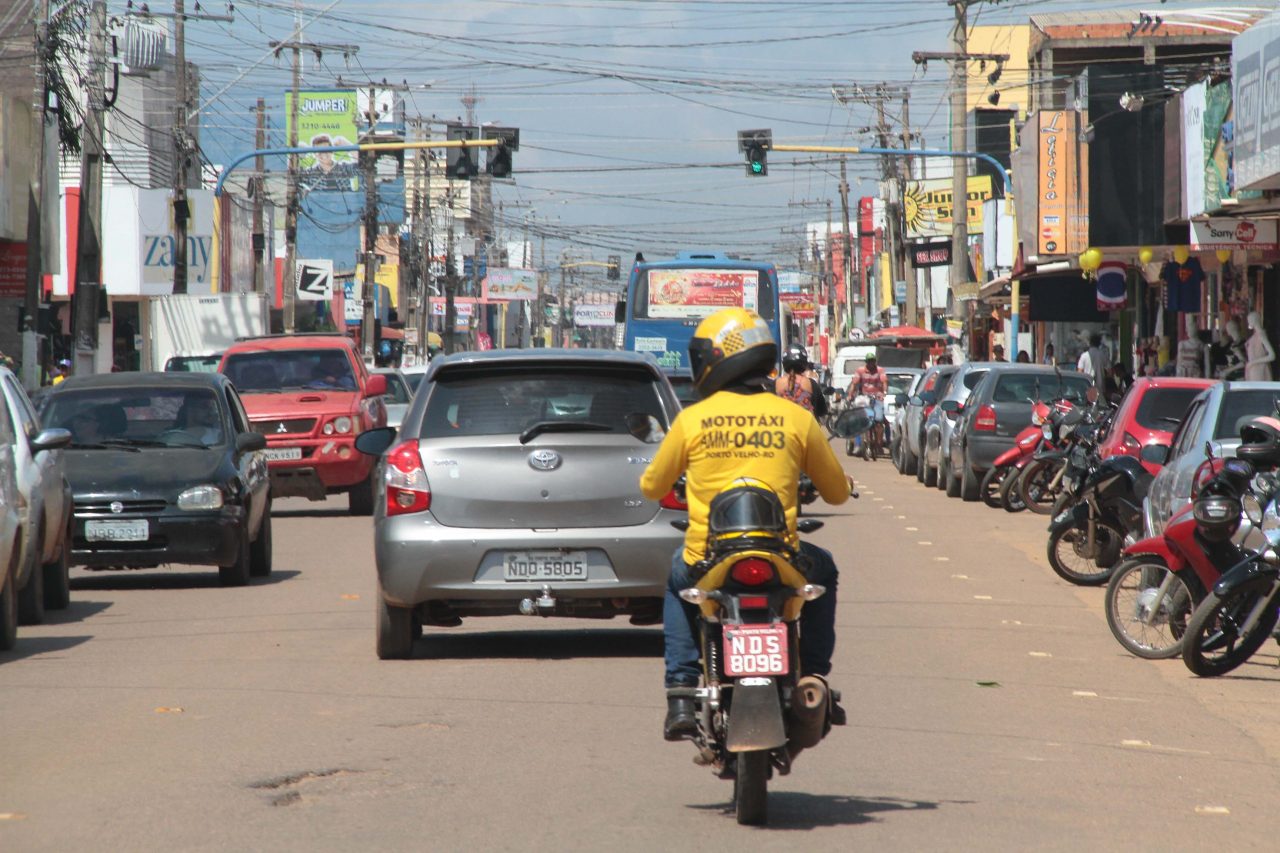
<point x="798" y="387"/>
<point x="739" y="428"/>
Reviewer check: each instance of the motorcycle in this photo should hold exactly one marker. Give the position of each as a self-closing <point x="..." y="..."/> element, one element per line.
<point x="859" y="445"/>
<point x="1072" y="444"/>
<point x="1162" y="579"/>
<point x="755" y="713"/>
<point x="1102" y="514"/>
<point x="1006" y="464"/>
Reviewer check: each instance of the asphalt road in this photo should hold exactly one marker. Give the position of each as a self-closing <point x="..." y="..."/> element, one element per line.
<point x="989" y="707"/>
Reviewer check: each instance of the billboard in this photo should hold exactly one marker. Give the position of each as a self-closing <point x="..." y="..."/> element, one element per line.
<point x="929" y="205"/>
<point x="325" y="117"/>
<point x="1062" y="208"/>
<point x="505" y="283"/>
<point x="797" y="289"/>
<point x="693" y="293"/>
<point x="592" y="315"/>
<point x="1255" y="74"/>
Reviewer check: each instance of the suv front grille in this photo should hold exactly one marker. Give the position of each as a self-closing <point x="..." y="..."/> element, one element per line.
<point x="292" y="426"/>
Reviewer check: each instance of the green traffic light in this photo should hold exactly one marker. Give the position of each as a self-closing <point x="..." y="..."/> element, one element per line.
<point x="757" y="166"/>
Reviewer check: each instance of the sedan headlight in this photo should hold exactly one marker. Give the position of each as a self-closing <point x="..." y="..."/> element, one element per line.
<point x="200" y="497"/>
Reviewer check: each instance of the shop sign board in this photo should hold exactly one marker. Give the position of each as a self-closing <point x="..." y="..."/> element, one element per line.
<point x="1194" y="162"/>
<point x="928" y="205"/>
<point x="592" y="315"/>
<point x="1231" y="233"/>
<point x="1062" y="185"/>
<point x="933" y="254"/>
<point x="1255" y="75"/>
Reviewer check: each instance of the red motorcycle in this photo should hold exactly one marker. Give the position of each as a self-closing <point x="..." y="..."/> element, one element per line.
<point x="1007" y="464"/>
<point x="1155" y="589"/>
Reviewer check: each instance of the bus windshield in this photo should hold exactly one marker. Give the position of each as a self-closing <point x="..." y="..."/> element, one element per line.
<point x="692" y="294"/>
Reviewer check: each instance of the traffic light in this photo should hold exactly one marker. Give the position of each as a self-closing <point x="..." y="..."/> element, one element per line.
<point x="615" y="262"/>
<point x="498" y="164"/>
<point x="755" y="145"/>
<point x="460" y="163"/>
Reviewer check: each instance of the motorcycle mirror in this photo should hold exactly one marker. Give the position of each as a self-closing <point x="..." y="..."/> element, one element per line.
<point x="852" y="423"/>
<point x="1208" y="449"/>
<point x="1252" y="508"/>
<point x="1157" y="454"/>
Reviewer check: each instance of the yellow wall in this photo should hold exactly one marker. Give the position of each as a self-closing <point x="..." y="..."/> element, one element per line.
<point x="1014" y="79"/>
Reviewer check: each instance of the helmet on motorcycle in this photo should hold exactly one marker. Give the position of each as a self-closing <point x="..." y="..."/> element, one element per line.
<point x="1217" y="514"/>
<point x="1260" y="441"/>
<point x="730" y="345"/>
<point x="795" y="360"/>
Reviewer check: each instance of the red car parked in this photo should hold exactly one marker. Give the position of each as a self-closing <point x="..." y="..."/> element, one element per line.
<point x="1149" y="414"/>
<point x="310" y="395"/>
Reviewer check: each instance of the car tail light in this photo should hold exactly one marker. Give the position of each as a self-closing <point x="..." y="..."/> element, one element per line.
<point x="985" y="420"/>
<point x="407" y="487"/>
<point x="752" y="571"/>
<point x="672" y="501"/>
<point x="753" y="602"/>
<point x="1130" y="445"/>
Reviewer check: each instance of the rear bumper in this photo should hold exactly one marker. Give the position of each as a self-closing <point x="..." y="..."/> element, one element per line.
<point x="982" y="451"/>
<point x="201" y="539"/>
<point x="421" y="560"/>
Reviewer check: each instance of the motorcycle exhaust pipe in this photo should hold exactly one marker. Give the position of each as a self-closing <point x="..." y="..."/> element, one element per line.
<point x="809" y="704"/>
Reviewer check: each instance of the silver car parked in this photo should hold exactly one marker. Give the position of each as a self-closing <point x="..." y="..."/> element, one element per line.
<point x="10" y="532"/>
<point x="1214" y="416"/>
<point x="398" y="395"/>
<point x="940" y="424"/>
<point x="513" y="487"/>
<point x="45" y="506"/>
<point x="919" y="406"/>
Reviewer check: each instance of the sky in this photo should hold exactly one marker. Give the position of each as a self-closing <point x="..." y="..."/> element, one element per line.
<point x="628" y="109"/>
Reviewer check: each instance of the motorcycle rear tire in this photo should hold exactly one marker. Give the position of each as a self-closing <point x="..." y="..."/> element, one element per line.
<point x="1105" y="548"/>
<point x="1038" y="473"/>
<point x="1206" y="628"/>
<point x="1010" y="498"/>
<point x="751" y="788"/>
<point x="1130" y="582"/>
<point x="989" y="489"/>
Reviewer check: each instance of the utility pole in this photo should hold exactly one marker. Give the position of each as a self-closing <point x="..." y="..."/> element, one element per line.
<point x="35" y="208"/>
<point x="904" y="176"/>
<point x="370" y="164"/>
<point x="960" y="142"/>
<point x="89" y="251"/>
<point x="846" y="260"/>
<point x="259" y="189"/>
<point x="450" y="285"/>
<point x="181" y="149"/>
<point x="289" y="281"/>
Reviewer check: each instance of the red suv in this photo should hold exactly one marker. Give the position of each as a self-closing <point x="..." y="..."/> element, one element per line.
<point x="310" y="395"/>
<point x="1149" y="413"/>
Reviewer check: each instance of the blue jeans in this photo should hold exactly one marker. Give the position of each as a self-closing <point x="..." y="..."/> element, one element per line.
<point x="682" y="649"/>
<point x="877" y="409"/>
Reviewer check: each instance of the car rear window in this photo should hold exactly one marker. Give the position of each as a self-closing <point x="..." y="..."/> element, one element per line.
<point x="1163" y="408"/>
<point x="279" y="370"/>
<point x="1026" y="387"/>
<point x="1245" y="403"/>
<point x="507" y="402"/>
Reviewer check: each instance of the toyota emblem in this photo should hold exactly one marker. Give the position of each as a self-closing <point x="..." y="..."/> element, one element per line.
<point x="544" y="460"/>
<point x="117" y="507"/>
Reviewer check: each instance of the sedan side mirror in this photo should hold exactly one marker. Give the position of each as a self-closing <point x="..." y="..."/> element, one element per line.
<point x="1157" y="454"/>
<point x="951" y="407"/>
<point x="50" y="439"/>
<point x="250" y="441"/>
<point x="375" y="442"/>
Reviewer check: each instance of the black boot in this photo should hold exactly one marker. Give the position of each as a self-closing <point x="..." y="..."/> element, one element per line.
<point x="682" y="720"/>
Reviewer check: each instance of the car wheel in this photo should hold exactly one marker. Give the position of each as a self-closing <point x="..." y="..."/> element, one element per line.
<point x="9" y="606"/>
<point x="930" y="472"/>
<point x="908" y="458"/>
<point x="953" y="483"/>
<point x="395" y="631"/>
<point x="970" y="485"/>
<point x="237" y="574"/>
<point x="361" y="497"/>
<point x="31" y="596"/>
<point x="944" y="472"/>
<point x="57" y="577"/>
<point x="260" y="550"/>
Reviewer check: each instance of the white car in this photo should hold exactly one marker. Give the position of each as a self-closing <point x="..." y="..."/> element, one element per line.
<point x="44" y="506"/>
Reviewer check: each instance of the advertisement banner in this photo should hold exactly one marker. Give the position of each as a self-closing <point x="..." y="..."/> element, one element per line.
<point x="681" y="294"/>
<point x="1056" y="174"/>
<point x="1194" y="162"/>
<point x="506" y="284"/>
<point x="1227" y="233"/>
<point x="929" y="205"/>
<point x="13" y="268"/>
<point x="313" y="279"/>
<point x="592" y="315"/>
<point x="325" y="117"/>
<point x="933" y="254"/>
<point x="462" y="313"/>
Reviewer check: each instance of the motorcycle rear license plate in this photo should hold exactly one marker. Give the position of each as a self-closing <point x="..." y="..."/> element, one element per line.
<point x="755" y="650"/>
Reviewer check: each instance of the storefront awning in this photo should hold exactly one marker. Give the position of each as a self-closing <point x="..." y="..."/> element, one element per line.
<point x="993" y="288"/>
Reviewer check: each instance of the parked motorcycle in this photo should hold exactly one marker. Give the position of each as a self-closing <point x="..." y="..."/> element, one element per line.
<point x="1007" y="465"/>
<point x="1071" y="446"/>
<point x="755" y="712"/>
<point x="1162" y="579"/>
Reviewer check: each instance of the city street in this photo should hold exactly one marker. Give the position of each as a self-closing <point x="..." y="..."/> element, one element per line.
<point x="989" y="708"/>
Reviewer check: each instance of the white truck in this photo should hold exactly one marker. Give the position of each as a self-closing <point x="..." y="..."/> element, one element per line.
<point x="189" y="331"/>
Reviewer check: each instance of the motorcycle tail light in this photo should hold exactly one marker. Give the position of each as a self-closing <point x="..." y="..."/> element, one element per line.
<point x="672" y="501"/>
<point x="752" y="571"/>
<point x="407" y="488"/>
<point x="753" y="602"/>
<point x="985" y="420"/>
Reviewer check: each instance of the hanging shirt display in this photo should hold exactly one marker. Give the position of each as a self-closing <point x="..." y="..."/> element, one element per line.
<point x="1182" y="285"/>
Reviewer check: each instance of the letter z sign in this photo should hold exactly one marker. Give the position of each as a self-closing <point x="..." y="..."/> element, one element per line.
<point x="314" y="280"/>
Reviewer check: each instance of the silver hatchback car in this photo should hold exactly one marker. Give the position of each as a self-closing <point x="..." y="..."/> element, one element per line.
<point x="514" y="487"/>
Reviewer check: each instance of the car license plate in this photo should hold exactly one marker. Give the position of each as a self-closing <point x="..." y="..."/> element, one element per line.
<point x="755" y="650"/>
<point x="545" y="566"/>
<point x="117" y="531"/>
<point x="275" y="454"/>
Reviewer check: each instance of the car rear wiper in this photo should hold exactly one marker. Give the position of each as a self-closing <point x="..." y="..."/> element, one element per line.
<point x="534" y="430"/>
<point x="103" y="445"/>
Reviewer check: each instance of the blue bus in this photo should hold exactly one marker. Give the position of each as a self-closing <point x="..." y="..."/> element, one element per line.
<point x="667" y="299"/>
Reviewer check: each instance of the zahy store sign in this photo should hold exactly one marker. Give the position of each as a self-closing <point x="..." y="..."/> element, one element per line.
<point x="1228" y="233"/>
<point x="157" y="258"/>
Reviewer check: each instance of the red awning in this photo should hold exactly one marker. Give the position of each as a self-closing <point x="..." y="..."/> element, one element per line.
<point x="903" y="332"/>
<point x="389" y="334"/>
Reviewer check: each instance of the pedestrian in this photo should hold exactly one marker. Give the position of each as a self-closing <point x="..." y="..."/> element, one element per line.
<point x="61" y="371"/>
<point x="997" y="353"/>
<point x="1022" y="357"/>
<point x="1091" y="363"/>
<point x="1049" y="357"/>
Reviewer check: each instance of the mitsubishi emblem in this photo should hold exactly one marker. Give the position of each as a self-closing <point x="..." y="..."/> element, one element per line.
<point x="544" y="460"/>
<point x="282" y="427"/>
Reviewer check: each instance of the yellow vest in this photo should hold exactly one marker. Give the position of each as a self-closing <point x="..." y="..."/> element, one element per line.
<point x="730" y="435"/>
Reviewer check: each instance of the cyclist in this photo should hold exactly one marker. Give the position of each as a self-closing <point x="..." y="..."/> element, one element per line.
<point x="871" y="381"/>
<point x="795" y="386"/>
